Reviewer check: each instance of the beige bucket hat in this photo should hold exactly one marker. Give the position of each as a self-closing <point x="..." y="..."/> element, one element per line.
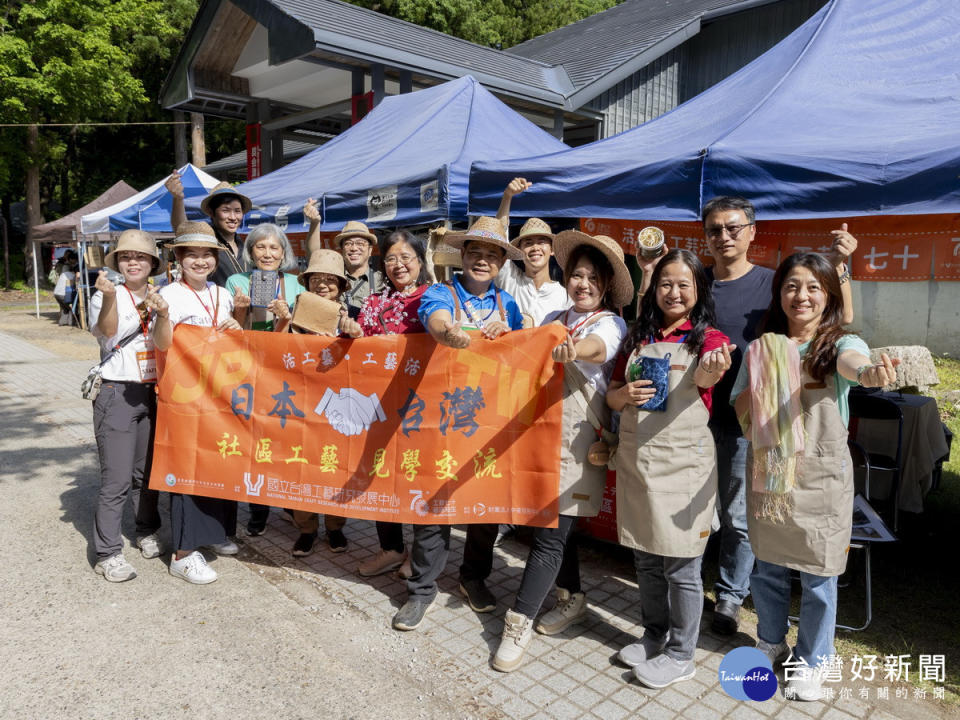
<point x="485" y="229"/>
<point x="534" y="227"/>
<point x="325" y="261"/>
<point x="354" y="228"/>
<point x="221" y="189"/>
<point x="622" y="285"/>
<point x="194" y="234"/>
<point x="135" y="241"/>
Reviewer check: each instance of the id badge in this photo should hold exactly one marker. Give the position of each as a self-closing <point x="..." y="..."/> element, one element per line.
<point x="147" y="365"/>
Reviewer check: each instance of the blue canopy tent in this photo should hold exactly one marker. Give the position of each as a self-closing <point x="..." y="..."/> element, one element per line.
<point x="405" y="163"/>
<point x="150" y="209"/>
<point x="856" y="112"/>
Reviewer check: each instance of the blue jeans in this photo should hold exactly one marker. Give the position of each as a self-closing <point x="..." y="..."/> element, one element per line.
<point x="736" y="555"/>
<point x="818" y="610"/>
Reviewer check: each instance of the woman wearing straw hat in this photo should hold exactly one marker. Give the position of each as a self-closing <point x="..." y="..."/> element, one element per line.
<point x="666" y="460"/>
<point x="471" y="302"/>
<point x="125" y="410"/>
<point x="598" y="283"/>
<point x="325" y="277"/>
<point x="392" y="312"/>
<point x="194" y="300"/>
<point x="225" y="207"/>
<point x="531" y="282"/>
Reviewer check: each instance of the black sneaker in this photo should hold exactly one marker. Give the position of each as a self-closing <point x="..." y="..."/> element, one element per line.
<point x="476" y="593"/>
<point x="254" y="529"/>
<point x="304" y="544"/>
<point x="336" y="540"/>
<point x="411" y="614"/>
<point x="726" y="618"/>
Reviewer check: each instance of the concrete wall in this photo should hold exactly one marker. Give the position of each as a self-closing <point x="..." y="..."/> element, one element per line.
<point x="909" y="313"/>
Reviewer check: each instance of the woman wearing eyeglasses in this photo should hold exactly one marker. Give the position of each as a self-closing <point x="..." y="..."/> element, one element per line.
<point x="125" y="410"/>
<point x="392" y="312"/>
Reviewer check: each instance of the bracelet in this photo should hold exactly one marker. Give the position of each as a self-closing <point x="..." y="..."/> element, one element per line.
<point x="845" y="275"/>
<point x="860" y="371"/>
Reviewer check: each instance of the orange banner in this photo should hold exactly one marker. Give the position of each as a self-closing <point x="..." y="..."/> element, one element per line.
<point x="390" y="428"/>
<point x="891" y="247"/>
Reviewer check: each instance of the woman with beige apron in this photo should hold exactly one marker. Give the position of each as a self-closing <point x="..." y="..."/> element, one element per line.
<point x="597" y="281"/>
<point x="666" y="461"/>
<point x="800" y="496"/>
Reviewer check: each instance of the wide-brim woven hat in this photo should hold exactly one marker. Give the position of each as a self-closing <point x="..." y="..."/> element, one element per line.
<point x="135" y="241"/>
<point x="194" y="234"/>
<point x="325" y="261"/>
<point x="484" y="229"/>
<point x="621" y="287"/>
<point x="221" y="189"/>
<point x="534" y="227"/>
<point x="354" y="228"/>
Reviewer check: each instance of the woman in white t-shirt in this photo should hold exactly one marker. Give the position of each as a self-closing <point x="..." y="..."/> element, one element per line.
<point x="597" y="282"/>
<point x="196" y="521"/>
<point x="125" y="410"/>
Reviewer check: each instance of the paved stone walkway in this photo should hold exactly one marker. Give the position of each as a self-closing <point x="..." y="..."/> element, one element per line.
<point x="573" y="675"/>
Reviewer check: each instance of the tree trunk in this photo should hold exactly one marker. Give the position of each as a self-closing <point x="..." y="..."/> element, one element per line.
<point x="34" y="217"/>
<point x="197" y="141"/>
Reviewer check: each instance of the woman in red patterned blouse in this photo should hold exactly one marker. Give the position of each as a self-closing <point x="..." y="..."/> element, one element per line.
<point x="393" y="312"/>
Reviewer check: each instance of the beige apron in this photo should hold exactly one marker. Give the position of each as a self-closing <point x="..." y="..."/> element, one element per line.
<point x="467" y="320"/>
<point x="667" y="466"/>
<point x="581" y="483"/>
<point x="815" y="538"/>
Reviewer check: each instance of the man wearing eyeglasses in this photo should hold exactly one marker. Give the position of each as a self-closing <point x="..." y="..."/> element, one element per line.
<point x="741" y="294"/>
<point x="355" y="243"/>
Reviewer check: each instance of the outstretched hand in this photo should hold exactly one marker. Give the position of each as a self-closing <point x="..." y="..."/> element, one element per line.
<point x="454" y="336"/>
<point x="566" y="351"/>
<point x="881" y="374"/>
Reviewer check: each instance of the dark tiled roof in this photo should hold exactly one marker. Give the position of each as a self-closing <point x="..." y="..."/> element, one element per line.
<point x="424" y="47"/>
<point x="594" y="46"/>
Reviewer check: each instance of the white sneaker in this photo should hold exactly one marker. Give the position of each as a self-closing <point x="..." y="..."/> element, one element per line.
<point x="115" y="568"/>
<point x="193" y="568"/>
<point x="225" y="548"/>
<point x="517" y="631"/>
<point x="777" y="654"/>
<point x="639" y="652"/>
<point x="149" y="546"/>
<point x="806" y="685"/>
<point x="569" y="609"/>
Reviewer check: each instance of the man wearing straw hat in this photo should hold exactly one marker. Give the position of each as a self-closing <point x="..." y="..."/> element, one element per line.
<point x="530" y="283"/>
<point x="355" y="242"/>
<point x="471" y="302"/>
<point x="225" y="207"/>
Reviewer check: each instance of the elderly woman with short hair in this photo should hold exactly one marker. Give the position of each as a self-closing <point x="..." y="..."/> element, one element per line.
<point x="267" y="249"/>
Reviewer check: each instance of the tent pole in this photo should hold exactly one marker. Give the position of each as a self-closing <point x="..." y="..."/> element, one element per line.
<point x="36" y="277"/>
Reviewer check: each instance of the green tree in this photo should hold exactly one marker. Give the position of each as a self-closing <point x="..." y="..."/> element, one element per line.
<point x="74" y="61"/>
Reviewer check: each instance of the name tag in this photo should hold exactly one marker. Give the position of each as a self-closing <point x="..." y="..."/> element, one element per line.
<point x="147" y="365"/>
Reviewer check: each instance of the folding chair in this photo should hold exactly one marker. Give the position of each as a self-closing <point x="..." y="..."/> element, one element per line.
<point x="864" y="406"/>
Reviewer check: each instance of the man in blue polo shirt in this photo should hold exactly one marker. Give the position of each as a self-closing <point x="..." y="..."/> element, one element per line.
<point x="471" y="302"/>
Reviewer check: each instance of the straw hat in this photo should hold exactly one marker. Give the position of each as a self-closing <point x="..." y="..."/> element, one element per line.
<point x="134" y="241"/>
<point x="221" y="189"/>
<point x="534" y="227"/>
<point x="622" y="285"/>
<point x="354" y="228"/>
<point x="325" y="261"/>
<point x="485" y="229"/>
<point x="194" y="234"/>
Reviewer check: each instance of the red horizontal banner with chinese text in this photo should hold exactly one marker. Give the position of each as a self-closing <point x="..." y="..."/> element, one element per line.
<point x="890" y="247"/>
<point x="390" y="428"/>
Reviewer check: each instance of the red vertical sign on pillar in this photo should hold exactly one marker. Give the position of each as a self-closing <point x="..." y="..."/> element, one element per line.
<point x="253" y="151"/>
<point x="360" y="105"/>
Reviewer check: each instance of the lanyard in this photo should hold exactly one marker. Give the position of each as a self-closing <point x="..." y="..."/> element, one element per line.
<point x="216" y="311"/>
<point x="585" y="321"/>
<point x="143" y="325"/>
